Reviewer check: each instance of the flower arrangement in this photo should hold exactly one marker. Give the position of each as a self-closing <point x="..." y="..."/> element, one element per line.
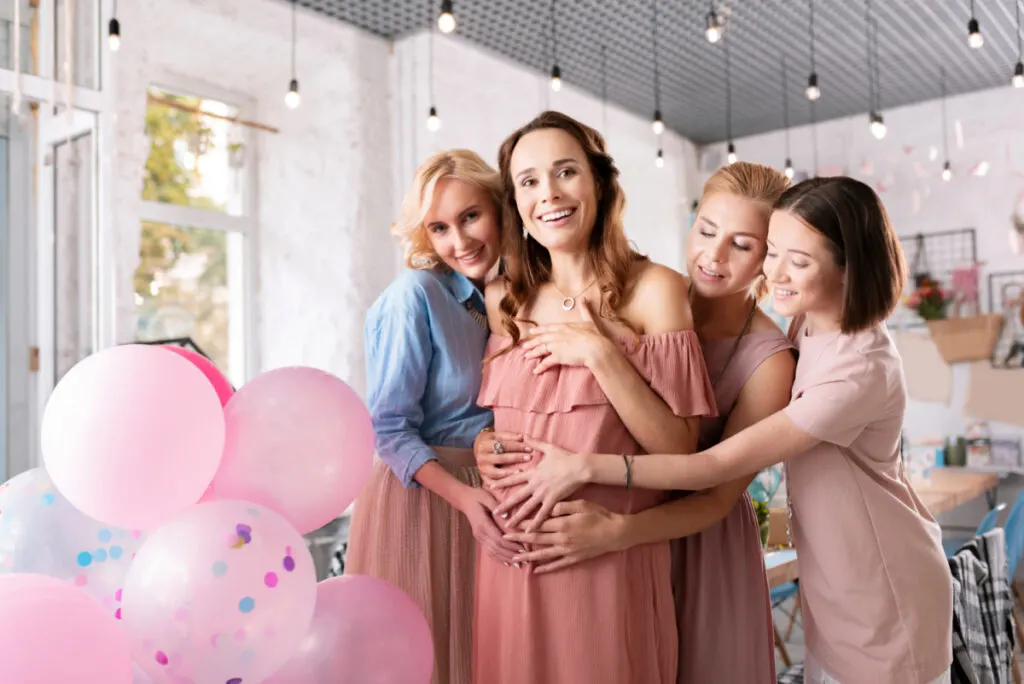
<point x="929" y="300"/>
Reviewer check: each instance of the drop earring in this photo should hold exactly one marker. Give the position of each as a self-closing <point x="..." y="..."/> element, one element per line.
<point x="526" y="233"/>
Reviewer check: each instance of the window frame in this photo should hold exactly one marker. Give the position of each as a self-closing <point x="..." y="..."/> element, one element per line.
<point x="245" y="225"/>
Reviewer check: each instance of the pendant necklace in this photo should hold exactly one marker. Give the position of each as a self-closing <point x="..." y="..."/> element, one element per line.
<point x="569" y="303"/>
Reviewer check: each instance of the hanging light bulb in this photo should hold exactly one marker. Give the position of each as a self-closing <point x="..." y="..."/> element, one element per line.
<point x="731" y="157"/>
<point x="114" y="34"/>
<point x="556" y="78"/>
<point x="433" y="121"/>
<point x="1018" y="76"/>
<point x="789" y="169"/>
<point x="877" y="125"/>
<point x="292" y="99"/>
<point x="947" y="171"/>
<point x="657" y="124"/>
<point x="659" y="161"/>
<point x="813" y="92"/>
<point x="446" y="20"/>
<point x="714" y="29"/>
<point x="974" y="37"/>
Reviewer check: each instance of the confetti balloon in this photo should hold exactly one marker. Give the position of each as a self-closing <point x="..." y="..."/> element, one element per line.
<point x="42" y="533"/>
<point x="224" y="592"/>
<point x="51" y="631"/>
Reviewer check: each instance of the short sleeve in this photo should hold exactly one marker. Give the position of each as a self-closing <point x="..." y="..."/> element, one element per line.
<point x="673" y="365"/>
<point x="842" y="398"/>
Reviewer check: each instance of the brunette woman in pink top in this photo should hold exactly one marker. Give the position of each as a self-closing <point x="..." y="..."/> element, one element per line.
<point x="574" y="288"/>
<point x="723" y="611"/>
<point x="876" y="591"/>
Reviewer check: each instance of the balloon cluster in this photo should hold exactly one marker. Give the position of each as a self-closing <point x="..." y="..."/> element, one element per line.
<point x="162" y="542"/>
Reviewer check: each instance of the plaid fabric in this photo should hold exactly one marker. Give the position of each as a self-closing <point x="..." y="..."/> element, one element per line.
<point x="983" y="634"/>
<point x="794" y="675"/>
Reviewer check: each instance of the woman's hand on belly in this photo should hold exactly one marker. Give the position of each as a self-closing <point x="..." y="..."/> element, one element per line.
<point x="576" y="531"/>
<point x="557" y="475"/>
<point x="497" y="452"/>
<point x="478" y="507"/>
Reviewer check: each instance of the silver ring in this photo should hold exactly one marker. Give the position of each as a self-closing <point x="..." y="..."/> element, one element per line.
<point x="499" y="448"/>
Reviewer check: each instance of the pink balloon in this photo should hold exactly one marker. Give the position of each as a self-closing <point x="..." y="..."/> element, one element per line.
<point x="132" y="435"/>
<point x="299" y="441"/>
<point x="209" y="369"/>
<point x="52" y="632"/>
<point x="221" y="593"/>
<point x="364" y="630"/>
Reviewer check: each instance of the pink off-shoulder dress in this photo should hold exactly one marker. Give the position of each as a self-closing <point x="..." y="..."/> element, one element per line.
<point x="608" y="620"/>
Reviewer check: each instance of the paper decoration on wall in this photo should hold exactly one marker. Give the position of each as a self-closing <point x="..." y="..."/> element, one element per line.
<point x="928" y="377"/>
<point x="867" y="168"/>
<point x="994" y="394"/>
<point x="980" y="169"/>
<point x="908" y="149"/>
<point x="933" y="153"/>
<point x="965" y="289"/>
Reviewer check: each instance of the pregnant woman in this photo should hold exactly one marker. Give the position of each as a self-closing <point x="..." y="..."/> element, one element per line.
<point x="609" y="620"/>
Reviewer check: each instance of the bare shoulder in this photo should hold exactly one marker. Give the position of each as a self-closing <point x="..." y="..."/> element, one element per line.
<point x="659" y="300"/>
<point x="771" y="382"/>
<point x="493" y="293"/>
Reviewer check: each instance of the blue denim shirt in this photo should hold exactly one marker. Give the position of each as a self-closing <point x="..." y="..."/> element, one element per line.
<point x="424" y="354"/>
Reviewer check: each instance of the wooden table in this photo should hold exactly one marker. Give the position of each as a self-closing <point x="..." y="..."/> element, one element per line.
<point x="944" y="490"/>
<point x="781" y="567"/>
<point x="949" y="488"/>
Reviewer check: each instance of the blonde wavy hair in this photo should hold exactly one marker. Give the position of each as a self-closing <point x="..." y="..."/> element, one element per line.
<point x="465" y="165"/>
<point x="528" y="263"/>
<point x="757" y="182"/>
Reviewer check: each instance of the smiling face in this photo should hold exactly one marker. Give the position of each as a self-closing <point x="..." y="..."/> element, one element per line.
<point x="726" y="246"/>
<point x="463" y="228"/>
<point x="555" y="191"/>
<point x="802" y="270"/>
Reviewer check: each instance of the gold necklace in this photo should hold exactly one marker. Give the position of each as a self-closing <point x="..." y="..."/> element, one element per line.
<point x="569" y="303"/>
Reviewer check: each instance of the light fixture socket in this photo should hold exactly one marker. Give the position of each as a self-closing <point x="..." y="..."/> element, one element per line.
<point x="974" y="37"/>
<point x="293" y="85"/>
<point x="657" y="124"/>
<point x="659" y="160"/>
<point x="446" y="19"/>
<point x="789" y="168"/>
<point x="713" y="30"/>
<point x="114" y="34"/>
<point x="813" y="91"/>
<point x="1018" y="75"/>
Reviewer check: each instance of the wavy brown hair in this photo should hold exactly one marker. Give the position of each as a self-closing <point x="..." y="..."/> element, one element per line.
<point x="528" y="263"/>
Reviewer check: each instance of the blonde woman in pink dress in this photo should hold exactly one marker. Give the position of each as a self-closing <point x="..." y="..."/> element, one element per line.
<point x="876" y="591"/>
<point x="723" y="610"/>
<point x="609" y="620"/>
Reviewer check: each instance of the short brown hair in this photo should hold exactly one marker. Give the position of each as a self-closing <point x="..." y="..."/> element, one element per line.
<point x="851" y="216"/>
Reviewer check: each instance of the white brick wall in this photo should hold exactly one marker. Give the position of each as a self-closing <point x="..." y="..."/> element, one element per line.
<point x="325" y="195"/>
<point x="908" y="181"/>
<point x="331" y="180"/>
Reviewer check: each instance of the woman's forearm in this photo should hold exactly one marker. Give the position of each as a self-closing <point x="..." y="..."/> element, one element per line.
<point x="683" y="517"/>
<point x="645" y="414"/>
<point x="434" y="477"/>
<point x="765" y="443"/>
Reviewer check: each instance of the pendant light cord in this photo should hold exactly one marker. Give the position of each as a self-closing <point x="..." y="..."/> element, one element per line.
<point x="654" y="37"/>
<point x="785" y="103"/>
<point x="295" y="11"/>
<point x="945" y="126"/>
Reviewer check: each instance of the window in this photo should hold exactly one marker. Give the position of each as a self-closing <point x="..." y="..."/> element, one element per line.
<point x="195" y="259"/>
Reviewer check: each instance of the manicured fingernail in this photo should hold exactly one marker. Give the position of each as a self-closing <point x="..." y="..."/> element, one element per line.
<point x="504" y="515"/>
<point x="526" y="457"/>
<point x="507" y="565"/>
<point x="522" y="550"/>
<point x="518" y="564"/>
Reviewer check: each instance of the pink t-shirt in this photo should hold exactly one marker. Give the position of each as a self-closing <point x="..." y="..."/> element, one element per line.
<point x="876" y="590"/>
